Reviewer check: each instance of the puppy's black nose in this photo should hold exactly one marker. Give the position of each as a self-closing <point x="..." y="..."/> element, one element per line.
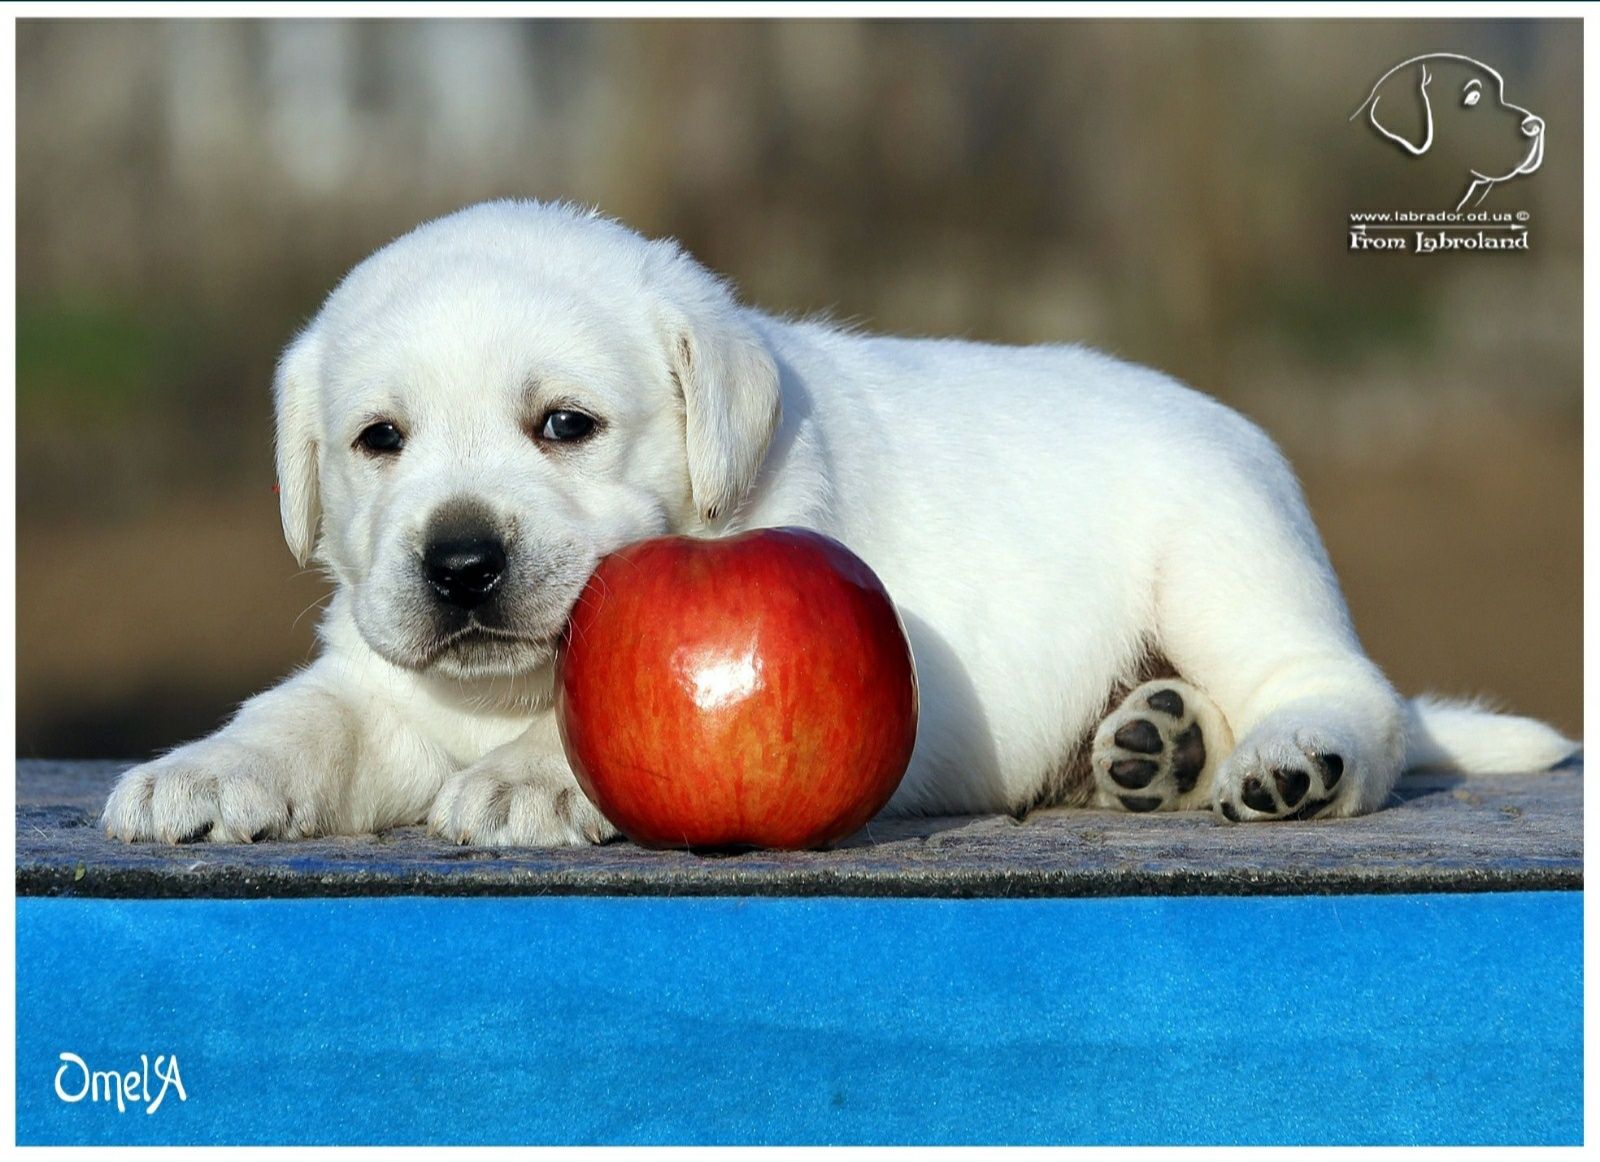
<point x="464" y="570"/>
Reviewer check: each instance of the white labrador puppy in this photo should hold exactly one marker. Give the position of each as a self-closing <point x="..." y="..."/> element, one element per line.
<point x="1114" y="592"/>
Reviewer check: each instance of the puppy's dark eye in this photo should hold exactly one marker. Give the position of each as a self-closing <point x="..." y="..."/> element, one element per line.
<point x="565" y="426"/>
<point x="381" y="439"/>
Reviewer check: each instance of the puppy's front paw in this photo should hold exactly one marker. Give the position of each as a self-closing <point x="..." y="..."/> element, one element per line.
<point x="492" y="806"/>
<point x="200" y="793"/>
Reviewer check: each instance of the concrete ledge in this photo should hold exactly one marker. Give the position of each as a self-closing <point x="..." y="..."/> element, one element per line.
<point x="1445" y="833"/>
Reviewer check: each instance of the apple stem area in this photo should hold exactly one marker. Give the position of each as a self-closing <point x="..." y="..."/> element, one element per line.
<point x="1073" y="978"/>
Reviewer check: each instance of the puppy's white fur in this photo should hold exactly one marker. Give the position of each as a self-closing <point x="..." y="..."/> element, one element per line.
<point x="1046" y="518"/>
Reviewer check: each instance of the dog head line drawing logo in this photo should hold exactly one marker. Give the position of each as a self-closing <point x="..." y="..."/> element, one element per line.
<point x="1458" y="95"/>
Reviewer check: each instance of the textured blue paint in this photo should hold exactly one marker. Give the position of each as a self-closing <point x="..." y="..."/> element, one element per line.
<point x="1439" y="1018"/>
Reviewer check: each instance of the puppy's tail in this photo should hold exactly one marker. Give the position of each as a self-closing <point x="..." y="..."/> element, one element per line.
<point x="1463" y="736"/>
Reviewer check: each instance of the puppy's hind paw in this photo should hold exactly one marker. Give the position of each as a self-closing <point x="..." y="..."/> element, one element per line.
<point x="1156" y="751"/>
<point x="1295" y="778"/>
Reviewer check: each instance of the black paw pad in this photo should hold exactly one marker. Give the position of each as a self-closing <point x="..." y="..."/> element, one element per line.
<point x="1332" y="769"/>
<point x="1139" y="802"/>
<point x="1139" y="736"/>
<point x="1166" y="701"/>
<point x="1188" y="758"/>
<point x="1293" y="783"/>
<point x="1257" y="797"/>
<point x="1310" y="809"/>
<point x="1230" y="813"/>
<point x="1133" y="773"/>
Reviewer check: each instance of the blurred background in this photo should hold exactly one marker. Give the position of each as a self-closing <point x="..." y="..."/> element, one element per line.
<point x="1175" y="192"/>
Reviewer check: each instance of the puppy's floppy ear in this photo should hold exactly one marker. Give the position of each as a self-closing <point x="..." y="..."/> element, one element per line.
<point x="730" y="397"/>
<point x="294" y="389"/>
<point x="1399" y="108"/>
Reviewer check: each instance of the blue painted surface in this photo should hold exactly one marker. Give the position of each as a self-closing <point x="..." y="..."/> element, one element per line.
<point x="1440" y="1019"/>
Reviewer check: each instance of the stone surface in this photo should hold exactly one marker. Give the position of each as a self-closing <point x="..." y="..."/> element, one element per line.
<point x="1444" y="832"/>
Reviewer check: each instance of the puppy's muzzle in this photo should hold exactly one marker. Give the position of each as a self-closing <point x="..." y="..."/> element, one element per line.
<point x="464" y="568"/>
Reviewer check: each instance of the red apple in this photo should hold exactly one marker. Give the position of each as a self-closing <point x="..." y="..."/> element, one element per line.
<point x="756" y="690"/>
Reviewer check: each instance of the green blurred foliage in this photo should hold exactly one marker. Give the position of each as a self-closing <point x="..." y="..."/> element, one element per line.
<point x="93" y="363"/>
<point x="1339" y="327"/>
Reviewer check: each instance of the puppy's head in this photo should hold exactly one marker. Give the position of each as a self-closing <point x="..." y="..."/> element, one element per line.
<point x="487" y="406"/>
